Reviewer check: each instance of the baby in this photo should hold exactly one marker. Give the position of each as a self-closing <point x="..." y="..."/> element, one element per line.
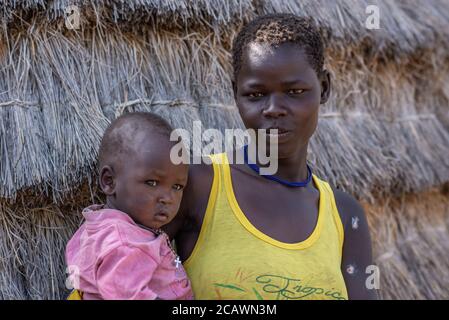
<point x="119" y="252"/>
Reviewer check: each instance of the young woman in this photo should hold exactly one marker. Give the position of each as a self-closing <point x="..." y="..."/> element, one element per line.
<point x="242" y="235"/>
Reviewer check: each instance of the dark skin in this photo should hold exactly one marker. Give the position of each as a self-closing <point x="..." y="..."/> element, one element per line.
<point x="143" y="183"/>
<point x="278" y="88"/>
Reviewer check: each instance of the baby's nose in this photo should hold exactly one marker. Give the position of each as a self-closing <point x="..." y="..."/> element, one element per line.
<point x="165" y="198"/>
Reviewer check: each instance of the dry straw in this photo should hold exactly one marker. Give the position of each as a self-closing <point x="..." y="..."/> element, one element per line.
<point x="411" y="241"/>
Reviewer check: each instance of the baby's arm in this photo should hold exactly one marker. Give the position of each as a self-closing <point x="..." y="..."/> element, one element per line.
<point x="125" y="273"/>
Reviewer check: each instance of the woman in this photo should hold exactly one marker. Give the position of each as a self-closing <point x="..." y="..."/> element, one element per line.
<point x="242" y="235"/>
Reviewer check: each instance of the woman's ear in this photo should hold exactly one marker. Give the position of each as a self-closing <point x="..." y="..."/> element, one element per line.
<point x="234" y="89"/>
<point x="107" y="180"/>
<point x="325" y="81"/>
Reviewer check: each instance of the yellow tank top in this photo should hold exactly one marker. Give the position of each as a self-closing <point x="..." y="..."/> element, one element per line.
<point x="234" y="260"/>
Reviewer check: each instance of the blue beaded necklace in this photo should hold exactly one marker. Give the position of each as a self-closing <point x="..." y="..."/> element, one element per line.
<point x="256" y="169"/>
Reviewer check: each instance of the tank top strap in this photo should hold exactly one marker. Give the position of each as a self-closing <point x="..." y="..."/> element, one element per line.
<point x="215" y="196"/>
<point x="332" y="209"/>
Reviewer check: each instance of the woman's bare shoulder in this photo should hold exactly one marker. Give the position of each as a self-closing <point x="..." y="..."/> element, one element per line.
<point x="348" y="206"/>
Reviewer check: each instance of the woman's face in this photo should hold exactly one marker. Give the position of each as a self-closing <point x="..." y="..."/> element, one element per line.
<point x="277" y="88"/>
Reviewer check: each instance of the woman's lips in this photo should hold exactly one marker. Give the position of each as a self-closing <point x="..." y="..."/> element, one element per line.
<point x="279" y="130"/>
<point x="281" y="135"/>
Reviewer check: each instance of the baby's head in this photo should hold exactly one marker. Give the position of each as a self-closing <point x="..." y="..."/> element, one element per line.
<point x="136" y="172"/>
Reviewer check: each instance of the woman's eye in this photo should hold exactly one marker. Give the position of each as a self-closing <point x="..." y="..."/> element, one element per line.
<point x="255" y="95"/>
<point x="178" y="187"/>
<point x="295" y="91"/>
<point x="151" y="183"/>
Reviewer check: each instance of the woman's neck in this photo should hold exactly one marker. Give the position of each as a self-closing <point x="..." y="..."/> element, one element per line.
<point x="293" y="167"/>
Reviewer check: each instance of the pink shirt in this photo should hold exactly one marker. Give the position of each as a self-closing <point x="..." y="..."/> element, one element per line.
<point x="110" y="257"/>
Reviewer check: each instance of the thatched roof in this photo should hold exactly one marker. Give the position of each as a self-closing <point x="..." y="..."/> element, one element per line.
<point x="61" y="87"/>
<point x="385" y="130"/>
<point x="405" y="25"/>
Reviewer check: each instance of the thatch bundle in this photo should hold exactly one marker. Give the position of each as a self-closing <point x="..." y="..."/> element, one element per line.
<point x="411" y="246"/>
<point x="383" y="136"/>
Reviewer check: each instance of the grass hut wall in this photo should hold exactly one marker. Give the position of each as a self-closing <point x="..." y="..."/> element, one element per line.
<point x="383" y="136"/>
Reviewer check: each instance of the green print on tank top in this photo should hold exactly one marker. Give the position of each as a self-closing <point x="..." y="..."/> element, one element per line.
<point x="288" y="288"/>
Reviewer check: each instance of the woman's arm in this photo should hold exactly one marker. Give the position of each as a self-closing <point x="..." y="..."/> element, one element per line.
<point x="357" y="251"/>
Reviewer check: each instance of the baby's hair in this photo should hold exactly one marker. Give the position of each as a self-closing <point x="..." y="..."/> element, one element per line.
<point x="276" y="29"/>
<point x="118" y="138"/>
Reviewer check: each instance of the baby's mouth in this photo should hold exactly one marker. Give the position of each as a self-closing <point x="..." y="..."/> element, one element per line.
<point x="161" y="216"/>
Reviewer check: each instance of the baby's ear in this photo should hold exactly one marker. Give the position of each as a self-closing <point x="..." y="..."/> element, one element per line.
<point x="107" y="180"/>
<point x="325" y="81"/>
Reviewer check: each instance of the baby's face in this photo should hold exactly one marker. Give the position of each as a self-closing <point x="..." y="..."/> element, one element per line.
<point x="149" y="186"/>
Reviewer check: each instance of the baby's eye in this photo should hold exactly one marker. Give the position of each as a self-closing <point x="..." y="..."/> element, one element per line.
<point x="295" y="91"/>
<point x="178" y="187"/>
<point x="151" y="183"/>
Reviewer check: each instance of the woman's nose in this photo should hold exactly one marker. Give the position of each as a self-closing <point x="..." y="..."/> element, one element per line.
<point x="275" y="108"/>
